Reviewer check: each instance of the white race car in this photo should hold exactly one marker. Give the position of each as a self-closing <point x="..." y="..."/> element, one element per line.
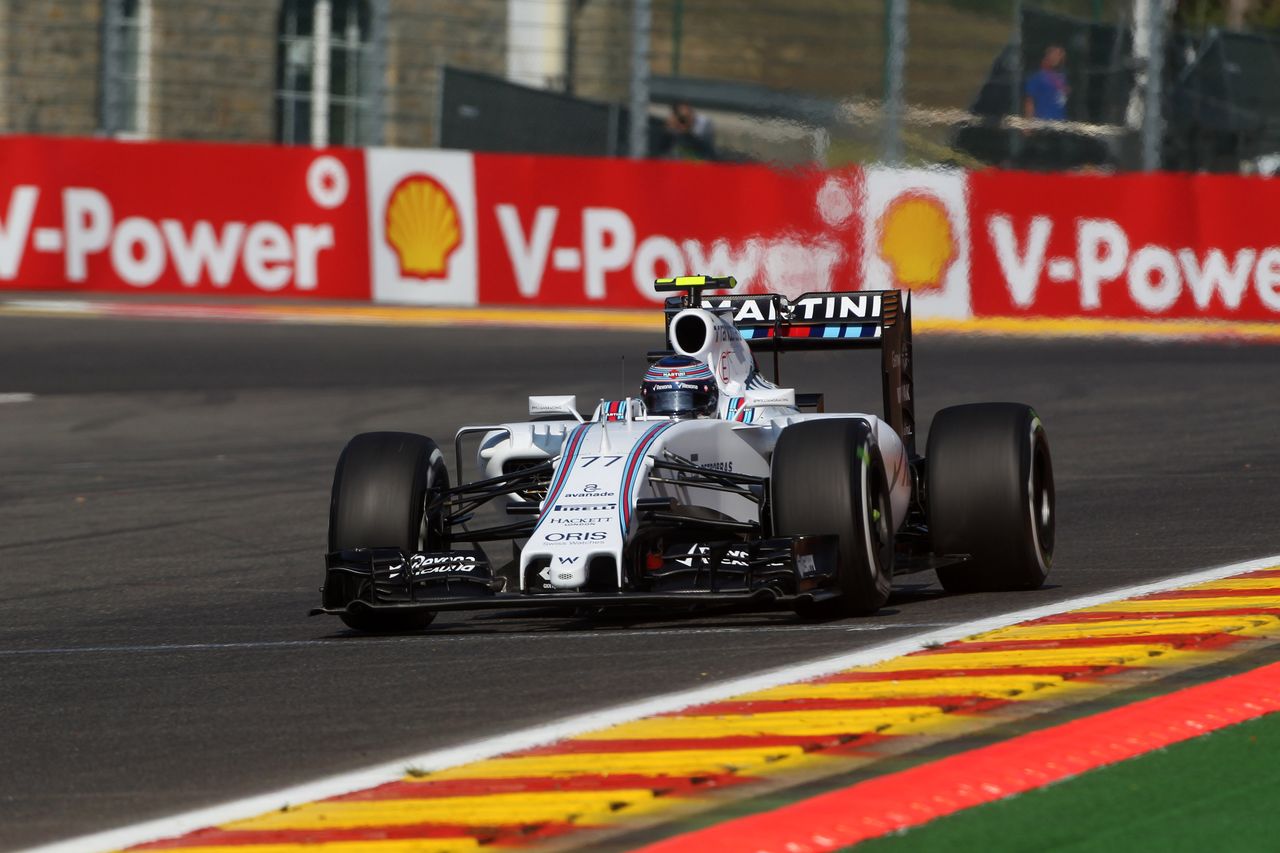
<point x="714" y="487"/>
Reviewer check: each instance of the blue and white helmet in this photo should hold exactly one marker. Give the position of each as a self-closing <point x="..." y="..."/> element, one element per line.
<point x="680" y="386"/>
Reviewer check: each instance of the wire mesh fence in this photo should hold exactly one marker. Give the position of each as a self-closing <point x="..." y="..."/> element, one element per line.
<point x="1052" y="84"/>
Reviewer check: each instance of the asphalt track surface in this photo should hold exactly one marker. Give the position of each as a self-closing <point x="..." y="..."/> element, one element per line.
<point x="163" y="502"/>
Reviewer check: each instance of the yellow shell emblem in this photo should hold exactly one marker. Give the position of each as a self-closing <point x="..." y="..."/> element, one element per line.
<point x="422" y="227"/>
<point x="916" y="240"/>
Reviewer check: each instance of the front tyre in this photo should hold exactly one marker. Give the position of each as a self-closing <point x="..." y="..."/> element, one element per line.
<point x="990" y="495"/>
<point x="380" y="491"/>
<point x="828" y="478"/>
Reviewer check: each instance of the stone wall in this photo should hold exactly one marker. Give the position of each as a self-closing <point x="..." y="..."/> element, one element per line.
<point x="423" y="38"/>
<point x="50" y="66"/>
<point x="213" y="65"/>
<point x="602" y="51"/>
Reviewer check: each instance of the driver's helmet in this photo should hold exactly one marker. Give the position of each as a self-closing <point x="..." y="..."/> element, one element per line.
<point x="680" y="386"/>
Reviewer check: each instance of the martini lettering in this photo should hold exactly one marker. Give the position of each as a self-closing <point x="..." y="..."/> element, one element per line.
<point x="810" y="308"/>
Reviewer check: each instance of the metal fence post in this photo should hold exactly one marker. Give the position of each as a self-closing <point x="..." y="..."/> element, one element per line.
<point x="570" y="43"/>
<point x="895" y="58"/>
<point x="109" y="118"/>
<point x="1152" y="106"/>
<point x="641" y="22"/>
<point x="375" y="130"/>
<point x="611" y="133"/>
<point x="320" y="74"/>
<point x="437" y="125"/>
<point x="1015" y="85"/>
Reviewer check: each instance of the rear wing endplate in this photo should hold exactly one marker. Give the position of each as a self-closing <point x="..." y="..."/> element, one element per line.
<point x="856" y="319"/>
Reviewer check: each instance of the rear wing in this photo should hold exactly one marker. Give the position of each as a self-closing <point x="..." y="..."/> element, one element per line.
<point x="856" y="319"/>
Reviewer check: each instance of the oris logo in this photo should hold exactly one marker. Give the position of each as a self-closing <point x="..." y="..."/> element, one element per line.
<point x="594" y="536"/>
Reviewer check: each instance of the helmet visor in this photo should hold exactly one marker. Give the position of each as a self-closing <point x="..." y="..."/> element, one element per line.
<point x="677" y="402"/>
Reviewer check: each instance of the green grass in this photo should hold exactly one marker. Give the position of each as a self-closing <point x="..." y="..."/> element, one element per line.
<point x="1218" y="792"/>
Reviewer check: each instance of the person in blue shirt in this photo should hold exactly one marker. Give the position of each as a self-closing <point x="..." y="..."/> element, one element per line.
<point x="1047" y="90"/>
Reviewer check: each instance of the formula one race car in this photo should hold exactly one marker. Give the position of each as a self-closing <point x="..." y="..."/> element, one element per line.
<point x="714" y="487"/>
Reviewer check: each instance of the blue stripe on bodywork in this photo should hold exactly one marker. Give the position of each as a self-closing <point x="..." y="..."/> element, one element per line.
<point x="571" y="447"/>
<point x="634" y="460"/>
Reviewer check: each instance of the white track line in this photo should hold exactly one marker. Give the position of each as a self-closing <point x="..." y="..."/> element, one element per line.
<point x="426" y="640"/>
<point x="479" y="750"/>
<point x="17" y="397"/>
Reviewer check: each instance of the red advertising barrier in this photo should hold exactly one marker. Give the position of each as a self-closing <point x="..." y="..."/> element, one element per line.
<point x="453" y="228"/>
<point x="578" y="231"/>
<point x="1131" y="246"/>
<point x="96" y="215"/>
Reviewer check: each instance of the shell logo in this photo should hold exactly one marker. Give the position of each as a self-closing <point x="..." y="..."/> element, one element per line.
<point x="422" y="227"/>
<point x="917" y="241"/>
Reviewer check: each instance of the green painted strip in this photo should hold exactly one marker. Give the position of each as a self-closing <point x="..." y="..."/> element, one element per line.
<point x="1217" y="792"/>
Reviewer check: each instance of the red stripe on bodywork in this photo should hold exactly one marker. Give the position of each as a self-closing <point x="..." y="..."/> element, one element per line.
<point x="909" y="798"/>
<point x="571" y="447"/>
<point x="633" y="465"/>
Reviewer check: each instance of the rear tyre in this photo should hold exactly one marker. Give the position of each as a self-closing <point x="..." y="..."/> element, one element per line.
<point x="828" y="478"/>
<point x="380" y="490"/>
<point x="990" y="495"/>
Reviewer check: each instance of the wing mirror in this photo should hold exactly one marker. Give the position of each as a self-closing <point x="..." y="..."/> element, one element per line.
<point x="784" y="397"/>
<point x="561" y="405"/>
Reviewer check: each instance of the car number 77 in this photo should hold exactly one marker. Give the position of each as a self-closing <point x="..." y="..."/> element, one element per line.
<point x="588" y="461"/>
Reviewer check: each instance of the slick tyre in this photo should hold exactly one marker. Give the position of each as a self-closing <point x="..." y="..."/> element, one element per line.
<point x="380" y="490"/>
<point x="990" y="495"/>
<point x="828" y="478"/>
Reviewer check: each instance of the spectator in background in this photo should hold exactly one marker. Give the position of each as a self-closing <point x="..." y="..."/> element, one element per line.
<point x="1047" y="90"/>
<point x="689" y="135"/>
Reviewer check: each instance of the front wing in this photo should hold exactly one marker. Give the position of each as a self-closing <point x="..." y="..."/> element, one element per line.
<point x="754" y="573"/>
